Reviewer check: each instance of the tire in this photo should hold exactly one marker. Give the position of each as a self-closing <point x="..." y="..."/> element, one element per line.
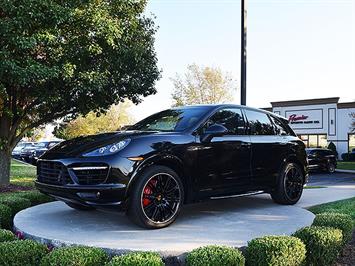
<point x="289" y="185"/>
<point x="79" y="207"/>
<point x="152" y="206"/>
<point x="331" y="168"/>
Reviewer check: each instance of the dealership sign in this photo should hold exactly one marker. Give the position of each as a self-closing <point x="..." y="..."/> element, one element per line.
<point x="304" y="119"/>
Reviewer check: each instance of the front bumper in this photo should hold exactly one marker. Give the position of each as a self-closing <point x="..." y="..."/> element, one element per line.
<point x="103" y="196"/>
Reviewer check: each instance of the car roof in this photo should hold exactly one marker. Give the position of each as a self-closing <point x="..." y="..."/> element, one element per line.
<point x="226" y="105"/>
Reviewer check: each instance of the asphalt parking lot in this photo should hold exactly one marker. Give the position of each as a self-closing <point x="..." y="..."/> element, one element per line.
<point x="329" y="180"/>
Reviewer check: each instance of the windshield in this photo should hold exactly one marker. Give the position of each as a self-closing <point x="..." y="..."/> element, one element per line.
<point x="41" y="144"/>
<point x="171" y="120"/>
<point x="19" y="146"/>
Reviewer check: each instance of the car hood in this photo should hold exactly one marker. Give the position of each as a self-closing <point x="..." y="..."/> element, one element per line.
<point x="77" y="146"/>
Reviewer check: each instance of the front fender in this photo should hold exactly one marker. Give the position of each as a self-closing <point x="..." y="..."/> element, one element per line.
<point x="169" y="160"/>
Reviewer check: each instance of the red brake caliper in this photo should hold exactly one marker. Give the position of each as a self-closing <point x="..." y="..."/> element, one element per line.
<point x="148" y="191"/>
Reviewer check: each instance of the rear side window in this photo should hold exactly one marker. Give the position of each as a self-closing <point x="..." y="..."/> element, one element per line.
<point x="280" y="128"/>
<point x="231" y="118"/>
<point x="259" y="123"/>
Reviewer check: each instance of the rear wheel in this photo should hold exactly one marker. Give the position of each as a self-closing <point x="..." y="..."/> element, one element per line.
<point x="156" y="198"/>
<point x="79" y="206"/>
<point x="289" y="185"/>
<point x="331" y="167"/>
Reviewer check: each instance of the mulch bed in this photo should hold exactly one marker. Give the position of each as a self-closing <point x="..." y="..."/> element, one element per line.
<point x="13" y="188"/>
<point x="347" y="256"/>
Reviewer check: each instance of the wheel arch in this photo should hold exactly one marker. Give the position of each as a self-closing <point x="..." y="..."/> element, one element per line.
<point x="171" y="162"/>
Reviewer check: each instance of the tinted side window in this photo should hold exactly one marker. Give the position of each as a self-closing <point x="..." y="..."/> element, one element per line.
<point x="52" y="144"/>
<point x="231" y="118"/>
<point x="259" y="123"/>
<point x="280" y="128"/>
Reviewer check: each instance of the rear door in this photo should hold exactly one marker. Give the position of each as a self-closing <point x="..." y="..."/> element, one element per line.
<point x="268" y="148"/>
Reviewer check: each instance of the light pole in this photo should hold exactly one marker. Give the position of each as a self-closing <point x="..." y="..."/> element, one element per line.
<point x="243" y="54"/>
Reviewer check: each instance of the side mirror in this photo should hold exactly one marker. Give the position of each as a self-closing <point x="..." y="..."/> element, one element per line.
<point x="215" y="130"/>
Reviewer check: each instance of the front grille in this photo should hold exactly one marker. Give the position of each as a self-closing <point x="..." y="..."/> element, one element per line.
<point x="91" y="176"/>
<point x="54" y="173"/>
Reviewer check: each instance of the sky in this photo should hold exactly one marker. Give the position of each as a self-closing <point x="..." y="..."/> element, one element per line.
<point x="296" y="49"/>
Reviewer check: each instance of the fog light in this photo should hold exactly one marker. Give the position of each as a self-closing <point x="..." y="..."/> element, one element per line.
<point x="98" y="194"/>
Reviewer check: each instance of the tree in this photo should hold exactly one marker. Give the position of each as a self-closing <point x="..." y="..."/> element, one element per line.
<point x="61" y="58"/>
<point x="332" y="147"/>
<point x="116" y="117"/>
<point x="203" y="85"/>
<point x="35" y="134"/>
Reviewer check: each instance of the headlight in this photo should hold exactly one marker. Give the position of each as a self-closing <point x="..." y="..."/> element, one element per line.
<point x="108" y="149"/>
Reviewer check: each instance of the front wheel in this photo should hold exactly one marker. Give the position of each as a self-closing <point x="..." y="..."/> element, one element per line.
<point x="289" y="186"/>
<point x="156" y="198"/>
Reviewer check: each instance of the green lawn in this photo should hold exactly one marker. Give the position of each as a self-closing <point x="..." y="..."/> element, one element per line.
<point x="22" y="174"/>
<point x="346" y="206"/>
<point x="346" y="165"/>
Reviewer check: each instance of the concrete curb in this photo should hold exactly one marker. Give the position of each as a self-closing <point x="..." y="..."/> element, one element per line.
<point x="345" y="171"/>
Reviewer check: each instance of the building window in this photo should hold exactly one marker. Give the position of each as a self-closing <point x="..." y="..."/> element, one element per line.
<point x="351" y="142"/>
<point x="314" y="140"/>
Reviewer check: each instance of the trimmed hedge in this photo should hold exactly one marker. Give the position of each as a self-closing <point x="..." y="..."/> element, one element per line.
<point x="6" y="235"/>
<point x="5" y="216"/>
<point x="35" y="197"/>
<point x="21" y="252"/>
<point x="215" y="256"/>
<point x="276" y="251"/>
<point x="340" y="221"/>
<point x="75" y="256"/>
<point x="348" y="157"/>
<point x="137" y="259"/>
<point x="16" y="204"/>
<point x="322" y="243"/>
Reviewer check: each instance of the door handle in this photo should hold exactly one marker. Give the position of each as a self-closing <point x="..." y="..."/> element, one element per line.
<point x="245" y="144"/>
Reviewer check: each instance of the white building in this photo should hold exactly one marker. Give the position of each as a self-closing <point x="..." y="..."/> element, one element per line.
<point x="320" y="121"/>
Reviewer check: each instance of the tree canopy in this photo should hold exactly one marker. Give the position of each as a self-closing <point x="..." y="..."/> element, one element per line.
<point x="115" y="118"/>
<point x="203" y="85"/>
<point x="63" y="58"/>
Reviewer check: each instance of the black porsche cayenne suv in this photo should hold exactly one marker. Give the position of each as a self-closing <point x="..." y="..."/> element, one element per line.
<point x="174" y="157"/>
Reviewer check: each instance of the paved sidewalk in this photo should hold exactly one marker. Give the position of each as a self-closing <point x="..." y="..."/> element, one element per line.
<point x="228" y="222"/>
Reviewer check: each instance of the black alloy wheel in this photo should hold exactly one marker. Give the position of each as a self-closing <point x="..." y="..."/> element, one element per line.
<point x="331" y="167"/>
<point x="290" y="185"/>
<point x="156" y="198"/>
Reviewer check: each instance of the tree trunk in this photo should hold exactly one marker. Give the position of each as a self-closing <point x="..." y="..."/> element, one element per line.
<point x="5" y="159"/>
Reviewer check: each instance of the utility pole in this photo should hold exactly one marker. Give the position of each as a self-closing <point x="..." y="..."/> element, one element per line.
<point x="243" y="54"/>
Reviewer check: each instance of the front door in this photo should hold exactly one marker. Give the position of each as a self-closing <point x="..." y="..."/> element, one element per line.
<point x="224" y="162"/>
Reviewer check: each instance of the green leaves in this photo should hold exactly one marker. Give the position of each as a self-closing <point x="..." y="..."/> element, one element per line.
<point x="67" y="58"/>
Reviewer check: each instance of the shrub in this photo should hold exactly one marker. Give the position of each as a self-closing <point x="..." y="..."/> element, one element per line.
<point x="5" y="216"/>
<point x="21" y="252"/>
<point x="35" y="197"/>
<point x="333" y="148"/>
<point x="215" y="256"/>
<point x="16" y="204"/>
<point x="75" y="256"/>
<point x="340" y="221"/>
<point x="137" y="259"/>
<point x="276" y="250"/>
<point x="322" y="244"/>
<point x="348" y="157"/>
<point x="6" y="235"/>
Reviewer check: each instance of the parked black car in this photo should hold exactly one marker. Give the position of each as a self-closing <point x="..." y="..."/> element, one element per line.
<point x="177" y="156"/>
<point x="16" y="152"/>
<point x="321" y="159"/>
<point x="30" y="154"/>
